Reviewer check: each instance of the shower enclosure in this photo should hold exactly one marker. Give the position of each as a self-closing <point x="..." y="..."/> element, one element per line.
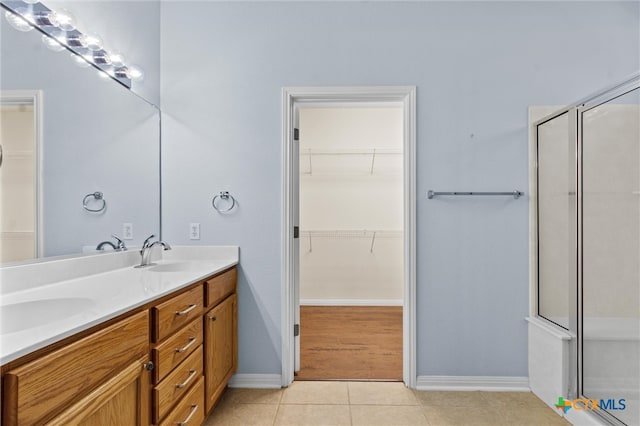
<point x="586" y="235"/>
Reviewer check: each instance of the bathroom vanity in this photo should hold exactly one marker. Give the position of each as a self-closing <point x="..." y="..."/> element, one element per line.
<point x="137" y="346"/>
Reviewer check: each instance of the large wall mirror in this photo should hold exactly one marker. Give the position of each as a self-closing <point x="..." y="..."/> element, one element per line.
<point x="67" y="134"/>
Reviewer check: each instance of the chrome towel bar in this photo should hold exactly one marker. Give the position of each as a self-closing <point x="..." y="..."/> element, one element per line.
<point x="515" y="193"/>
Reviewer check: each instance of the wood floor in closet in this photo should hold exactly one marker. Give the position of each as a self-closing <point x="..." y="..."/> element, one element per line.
<point x="350" y="343"/>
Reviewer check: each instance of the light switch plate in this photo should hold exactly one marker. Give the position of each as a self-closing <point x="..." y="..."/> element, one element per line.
<point x="194" y="231"/>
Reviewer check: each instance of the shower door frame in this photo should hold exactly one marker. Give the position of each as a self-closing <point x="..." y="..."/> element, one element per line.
<point x="291" y="96"/>
<point x="575" y="112"/>
<point x="583" y="107"/>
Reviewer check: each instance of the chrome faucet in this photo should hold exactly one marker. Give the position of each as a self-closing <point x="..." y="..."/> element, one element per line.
<point x="145" y="252"/>
<point x="105" y="243"/>
<point x="119" y="247"/>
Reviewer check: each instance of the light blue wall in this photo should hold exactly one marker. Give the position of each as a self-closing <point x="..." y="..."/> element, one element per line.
<point x="477" y="67"/>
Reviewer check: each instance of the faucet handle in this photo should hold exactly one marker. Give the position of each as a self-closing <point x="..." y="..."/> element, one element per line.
<point x="146" y="242"/>
<point x="121" y="245"/>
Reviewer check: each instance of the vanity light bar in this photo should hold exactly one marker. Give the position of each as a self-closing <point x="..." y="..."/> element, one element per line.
<point x="60" y="33"/>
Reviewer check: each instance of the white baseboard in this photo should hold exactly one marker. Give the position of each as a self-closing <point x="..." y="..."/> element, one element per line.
<point x="351" y="302"/>
<point x="256" y="381"/>
<point x="472" y="383"/>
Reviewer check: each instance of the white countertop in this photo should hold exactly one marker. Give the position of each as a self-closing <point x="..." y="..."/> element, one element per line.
<point x="36" y="316"/>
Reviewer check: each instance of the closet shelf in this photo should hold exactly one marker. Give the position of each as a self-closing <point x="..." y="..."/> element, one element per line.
<point x="366" y="165"/>
<point x="16" y="235"/>
<point x="19" y="155"/>
<point x="348" y="234"/>
<point x="352" y="233"/>
<point x="372" y="151"/>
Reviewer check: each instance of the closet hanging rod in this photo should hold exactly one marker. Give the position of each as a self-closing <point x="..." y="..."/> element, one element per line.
<point x="352" y="234"/>
<point x="515" y="193"/>
<point x="372" y="151"/>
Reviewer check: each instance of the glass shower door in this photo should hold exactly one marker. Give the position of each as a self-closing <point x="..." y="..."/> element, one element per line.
<point x="556" y="219"/>
<point x="611" y="256"/>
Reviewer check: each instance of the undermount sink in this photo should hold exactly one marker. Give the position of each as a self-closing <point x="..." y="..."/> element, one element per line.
<point x="24" y="315"/>
<point x="176" y="267"/>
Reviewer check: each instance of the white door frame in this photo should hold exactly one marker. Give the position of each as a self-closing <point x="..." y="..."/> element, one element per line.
<point x="35" y="98"/>
<point x="407" y="96"/>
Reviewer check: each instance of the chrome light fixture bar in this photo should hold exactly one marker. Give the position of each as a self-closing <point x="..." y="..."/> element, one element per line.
<point x="60" y="33"/>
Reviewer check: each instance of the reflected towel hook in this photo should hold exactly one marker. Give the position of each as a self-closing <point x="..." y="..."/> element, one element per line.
<point x="223" y="195"/>
<point x="97" y="196"/>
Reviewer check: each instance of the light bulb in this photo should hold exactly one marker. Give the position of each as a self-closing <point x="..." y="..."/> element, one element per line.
<point x="30" y="1"/>
<point x="117" y="59"/>
<point x="66" y="20"/>
<point x="92" y="42"/>
<point x="101" y="57"/>
<point x="81" y="61"/>
<point x="135" y="73"/>
<point x="120" y="72"/>
<point x="52" y="43"/>
<point x="18" y="22"/>
<point x="45" y="19"/>
<point x="76" y="40"/>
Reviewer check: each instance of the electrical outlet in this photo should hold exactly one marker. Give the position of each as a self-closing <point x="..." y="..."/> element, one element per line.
<point x="194" y="231"/>
<point x="127" y="231"/>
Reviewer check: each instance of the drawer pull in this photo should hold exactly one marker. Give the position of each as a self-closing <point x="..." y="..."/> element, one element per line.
<point x="186" y="311"/>
<point x="192" y="340"/>
<point x="186" y="382"/>
<point x="194" y="408"/>
<point x="213" y="318"/>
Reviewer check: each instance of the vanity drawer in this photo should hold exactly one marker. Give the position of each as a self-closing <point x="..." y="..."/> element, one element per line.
<point x="220" y="286"/>
<point x="176" y="348"/>
<point x="39" y="389"/>
<point x="176" y="384"/>
<point x="190" y="410"/>
<point x="176" y="312"/>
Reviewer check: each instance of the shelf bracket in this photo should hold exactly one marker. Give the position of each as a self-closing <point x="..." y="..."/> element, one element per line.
<point x="373" y="160"/>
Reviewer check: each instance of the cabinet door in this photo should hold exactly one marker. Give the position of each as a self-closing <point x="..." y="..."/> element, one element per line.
<point x="122" y="400"/>
<point x="220" y="348"/>
<point x="37" y="391"/>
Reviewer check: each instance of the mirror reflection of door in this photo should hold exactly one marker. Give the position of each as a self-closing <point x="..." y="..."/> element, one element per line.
<point x="18" y="239"/>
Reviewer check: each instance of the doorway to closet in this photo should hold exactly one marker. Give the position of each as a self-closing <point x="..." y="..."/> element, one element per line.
<point x="349" y="244"/>
<point x="350" y="230"/>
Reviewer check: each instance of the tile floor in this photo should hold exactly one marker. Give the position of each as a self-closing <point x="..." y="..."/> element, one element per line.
<point x="377" y="403"/>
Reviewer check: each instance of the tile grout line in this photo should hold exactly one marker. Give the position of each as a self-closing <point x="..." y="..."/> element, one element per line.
<point x="283" y="390"/>
<point x="275" y="418"/>
<point x="349" y="404"/>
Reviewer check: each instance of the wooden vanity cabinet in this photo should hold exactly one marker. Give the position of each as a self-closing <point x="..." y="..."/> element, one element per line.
<point x="220" y="335"/>
<point x="103" y="376"/>
<point x="84" y="380"/>
<point x="177" y="351"/>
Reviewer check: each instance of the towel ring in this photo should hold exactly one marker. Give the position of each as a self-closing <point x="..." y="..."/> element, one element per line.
<point x="96" y="196"/>
<point x="223" y="195"/>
